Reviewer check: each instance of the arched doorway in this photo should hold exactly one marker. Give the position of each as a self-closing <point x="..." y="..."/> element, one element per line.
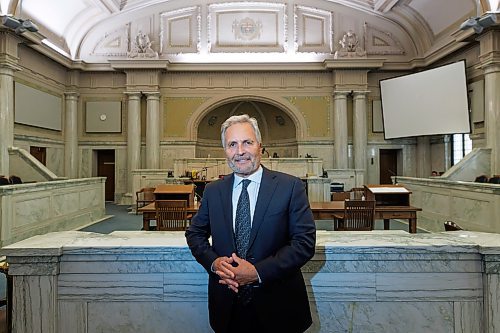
<point x="277" y="128"/>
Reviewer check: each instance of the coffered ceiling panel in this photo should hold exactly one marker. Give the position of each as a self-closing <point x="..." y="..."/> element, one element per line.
<point x="284" y="31"/>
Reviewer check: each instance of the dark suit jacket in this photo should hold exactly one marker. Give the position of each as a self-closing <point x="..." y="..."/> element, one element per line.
<point x="282" y="240"/>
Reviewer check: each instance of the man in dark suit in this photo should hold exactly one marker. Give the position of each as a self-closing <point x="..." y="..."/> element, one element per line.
<point x="255" y="283"/>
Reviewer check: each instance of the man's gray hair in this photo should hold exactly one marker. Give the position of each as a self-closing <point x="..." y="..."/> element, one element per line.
<point x="241" y="119"/>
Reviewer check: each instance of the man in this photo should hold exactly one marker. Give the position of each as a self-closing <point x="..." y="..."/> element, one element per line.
<point x="255" y="283"/>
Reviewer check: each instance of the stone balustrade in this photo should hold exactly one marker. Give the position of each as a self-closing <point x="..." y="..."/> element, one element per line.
<point x="37" y="208"/>
<point x="380" y="281"/>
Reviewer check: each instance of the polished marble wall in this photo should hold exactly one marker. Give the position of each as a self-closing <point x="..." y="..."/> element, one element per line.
<point x="380" y="281"/>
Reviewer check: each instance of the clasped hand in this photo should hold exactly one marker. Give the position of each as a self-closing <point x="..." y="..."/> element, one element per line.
<point x="234" y="271"/>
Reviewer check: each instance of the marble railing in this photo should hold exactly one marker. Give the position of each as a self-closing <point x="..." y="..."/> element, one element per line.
<point x="213" y="167"/>
<point x="37" y="208"/>
<point x="380" y="281"/>
<point x="473" y="206"/>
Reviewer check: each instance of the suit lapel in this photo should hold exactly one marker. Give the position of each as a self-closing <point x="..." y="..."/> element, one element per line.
<point x="226" y="193"/>
<point x="267" y="188"/>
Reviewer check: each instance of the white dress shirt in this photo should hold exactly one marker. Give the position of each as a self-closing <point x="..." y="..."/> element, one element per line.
<point x="253" y="191"/>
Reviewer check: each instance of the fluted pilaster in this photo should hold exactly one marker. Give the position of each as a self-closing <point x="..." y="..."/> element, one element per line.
<point x="340" y="130"/>
<point x="492" y="114"/>
<point x="71" y="135"/>
<point x="6" y="117"/>
<point x="133" y="135"/>
<point x="153" y="131"/>
<point x="360" y="137"/>
<point x="490" y="64"/>
<point x="8" y="65"/>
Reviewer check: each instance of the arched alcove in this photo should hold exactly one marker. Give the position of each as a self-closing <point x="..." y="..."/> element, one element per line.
<point x="277" y="128"/>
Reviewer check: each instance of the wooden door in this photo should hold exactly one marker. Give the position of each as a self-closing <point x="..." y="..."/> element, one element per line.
<point x="388" y="165"/>
<point x="106" y="168"/>
<point x="40" y="153"/>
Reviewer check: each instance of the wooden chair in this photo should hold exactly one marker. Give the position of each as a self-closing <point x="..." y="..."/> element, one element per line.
<point x="143" y="197"/>
<point x="340" y="196"/>
<point x="357" y="193"/>
<point x="359" y="215"/>
<point x="171" y="215"/>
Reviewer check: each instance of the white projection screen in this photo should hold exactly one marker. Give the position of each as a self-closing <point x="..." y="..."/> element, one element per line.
<point x="426" y="103"/>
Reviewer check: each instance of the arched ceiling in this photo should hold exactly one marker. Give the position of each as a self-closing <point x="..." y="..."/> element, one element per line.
<point x="228" y="31"/>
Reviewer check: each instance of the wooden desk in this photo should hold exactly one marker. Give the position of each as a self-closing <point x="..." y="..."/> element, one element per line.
<point x="149" y="213"/>
<point x="175" y="192"/>
<point x="324" y="211"/>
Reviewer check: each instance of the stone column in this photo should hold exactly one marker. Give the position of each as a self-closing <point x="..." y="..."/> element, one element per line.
<point x="488" y="55"/>
<point x="71" y="135"/>
<point x="8" y="65"/>
<point x="133" y="136"/>
<point x="360" y="136"/>
<point x="492" y="114"/>
<point x="6" y="117"/>
<point x="340" y="130"/>
<point x="423" y="157"/>
<point x="153" y="131"/>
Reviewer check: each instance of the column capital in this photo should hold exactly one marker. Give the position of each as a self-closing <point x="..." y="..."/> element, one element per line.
<point x="489" y="47"/>
<point x="491" y="68"/>
<point x="153" y="95"/>
<point x="341" y="94"/>
<point x="133" y="95"/>
<point x="360" y="93"/>
<point x="8" y="49"/>
<point x="8" y="67"/>
<point x="71" y="94"/>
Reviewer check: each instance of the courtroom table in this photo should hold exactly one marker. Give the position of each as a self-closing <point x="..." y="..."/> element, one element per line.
<point x="175" y="192"/>
<point x="149" y="213"/>
<point x="325" y="210"/>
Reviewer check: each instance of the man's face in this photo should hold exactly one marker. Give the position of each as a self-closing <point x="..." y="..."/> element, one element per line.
<point x="242" y="149"/>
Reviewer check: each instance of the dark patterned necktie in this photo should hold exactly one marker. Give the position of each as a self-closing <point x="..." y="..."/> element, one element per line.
<point x="243" y="228"/>
<point x="243" y="224"/>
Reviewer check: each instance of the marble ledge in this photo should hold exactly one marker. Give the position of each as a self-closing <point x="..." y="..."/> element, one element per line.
<point x="49" y="185"/>
<point x="374" y="242"/>
<point x="453" y="184"/>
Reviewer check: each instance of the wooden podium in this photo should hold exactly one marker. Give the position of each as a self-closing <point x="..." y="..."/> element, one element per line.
<point x="388" y="195"/>
<point x="175" y="192"/>
<point x="392" y="202"/>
